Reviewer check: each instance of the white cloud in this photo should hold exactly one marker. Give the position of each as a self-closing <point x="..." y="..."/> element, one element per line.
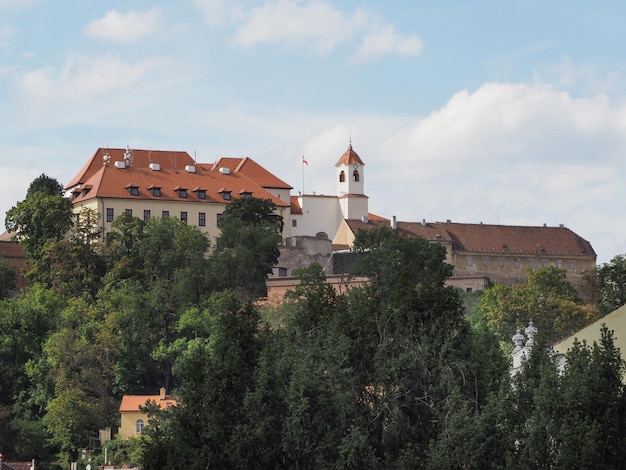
<point x="81" y="78"/>
<point x="216" y="12"/>
<point x="317" y="25"/>
<point x="387" y="41"/>
<point x="125" y="27"/>
<point x="287" y="22"/>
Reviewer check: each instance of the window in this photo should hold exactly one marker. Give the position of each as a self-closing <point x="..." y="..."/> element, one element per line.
<point x="282" y="272"/>
<point x="202" y="219"/>
<point x="133" y="190"/>
<point x="531" y="263"/>
<point x="572" y="265"/>
<point x="544" y="263"/>
<point x="225" y="195"/>
<point x="246" y="195"/>
<point x="219" y="217"/>
<point x="139" y="426"/>
<point x="501" y="262"/>
<point x="156" y="192"/>
<point x="129" y="211"/>
<point x="165" y="214"/>
<point x="468" y="290"/>
<point x="146" y="215"/>
<point x="342" y="177"/>
<point x="183" y="217"/>
<point x="559" y="264"/>
<point x="201" y="194"/>
<point x="294" y="223"/>
<point x="182" y="192"/>
<point x="485" y="261"/>
<point x="355" y="175"/>
<point x="470" y="261"/>
<point x="110" y="214"/>
<point x="516" y="263"/>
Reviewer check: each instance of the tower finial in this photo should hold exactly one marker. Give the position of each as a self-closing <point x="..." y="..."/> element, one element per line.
<point x="350" y="143"/>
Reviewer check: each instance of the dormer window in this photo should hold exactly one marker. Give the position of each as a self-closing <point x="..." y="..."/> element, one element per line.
<point x="133" y="189"/>
<point x="225" y="193"/>
<point x="200" y="193"/>
<point x="342" y="177"/>
<point x="182" y="192"/>
<point x="156" y="190"/>
<point x="244" y="193"/>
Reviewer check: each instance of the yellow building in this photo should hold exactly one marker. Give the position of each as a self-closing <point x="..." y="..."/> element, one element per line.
<point x="158" y="183"/>
<point x="132" y="420"/>
<point x="614" y="321"/>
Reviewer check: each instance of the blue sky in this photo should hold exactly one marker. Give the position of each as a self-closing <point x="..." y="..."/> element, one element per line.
<point x="493" y="112"/>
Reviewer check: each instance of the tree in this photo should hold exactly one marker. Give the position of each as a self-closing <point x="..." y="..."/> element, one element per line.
<point x="38" y="219"/>
<point x="215" y="372"/>
<point x="7" y="278"/>
<point x="46" y="185"/>
<point x="569" y="419"/>
<point x="611" y="282"/>
<point x="247" y="247"/>
<point x="546" y="297"/>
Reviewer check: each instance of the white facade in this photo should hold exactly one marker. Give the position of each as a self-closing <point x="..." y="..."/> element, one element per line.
<point x="326" y="213"/>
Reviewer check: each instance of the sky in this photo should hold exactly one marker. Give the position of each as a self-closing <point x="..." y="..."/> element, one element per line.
<point x="509" y="113"/>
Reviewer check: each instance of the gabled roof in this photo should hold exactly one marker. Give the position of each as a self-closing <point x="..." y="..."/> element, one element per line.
<point x="134" y="402"/>
<point x="252" y="170"/>
<point x="101" y="178"/>
<point x="166" y="159"/>
<point x="493" y="239"/>
<point x="349" y="157"/>
<point x="295" y="205"/>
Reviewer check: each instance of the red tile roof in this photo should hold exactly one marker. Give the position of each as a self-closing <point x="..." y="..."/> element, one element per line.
<point x="252" y="170"/>
<point x="177" y="170"/>
<point x="349" y="157"/>
<point x="134" y="402"/>
<point x="295" y="205"/>
<point x="488" y="239"/>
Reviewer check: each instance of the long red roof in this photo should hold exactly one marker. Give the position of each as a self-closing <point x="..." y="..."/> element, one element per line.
<point x="492" y="239"/>
<point x="108" y="175"/>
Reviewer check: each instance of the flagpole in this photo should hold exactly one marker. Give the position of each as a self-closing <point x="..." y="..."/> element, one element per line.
<point x="302" y="164"/>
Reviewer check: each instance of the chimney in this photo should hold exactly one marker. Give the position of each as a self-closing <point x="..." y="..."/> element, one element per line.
<point x="162" y="393"/>
<point x="423" y="222"/>
<point x="394" y="224"/>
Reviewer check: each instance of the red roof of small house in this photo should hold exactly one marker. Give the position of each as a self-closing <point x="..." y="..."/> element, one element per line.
<point x="134" y="402"/>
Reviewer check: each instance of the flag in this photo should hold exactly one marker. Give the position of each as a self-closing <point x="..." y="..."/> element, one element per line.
<point x="304" y="161"/>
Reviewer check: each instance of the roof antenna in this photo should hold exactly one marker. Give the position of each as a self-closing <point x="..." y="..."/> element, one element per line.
<point x="128" y="156"/>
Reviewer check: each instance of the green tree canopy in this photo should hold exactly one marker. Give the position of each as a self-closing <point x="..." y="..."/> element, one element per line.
<point x="7" y="278"/>
<point x="38" y="219"/>
<point x="46" y="185"/>
<point x="248" y="246"/>
<point x="546" y="298"/>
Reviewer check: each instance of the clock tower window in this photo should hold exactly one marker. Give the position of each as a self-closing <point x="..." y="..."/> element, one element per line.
<point x="342" y="177"/>
<point x="355" y="175"/>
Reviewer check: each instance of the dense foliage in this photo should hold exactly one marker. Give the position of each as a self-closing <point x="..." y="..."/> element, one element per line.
<point x="386" y="375"/>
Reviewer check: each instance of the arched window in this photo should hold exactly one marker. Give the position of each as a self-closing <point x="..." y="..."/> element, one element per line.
<point x="139" y="426"/>
<point x="342" y="177"/>
<point x="355" y="175"/>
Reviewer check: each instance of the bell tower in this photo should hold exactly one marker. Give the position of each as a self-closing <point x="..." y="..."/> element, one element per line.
<point x="350" y="185"/>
